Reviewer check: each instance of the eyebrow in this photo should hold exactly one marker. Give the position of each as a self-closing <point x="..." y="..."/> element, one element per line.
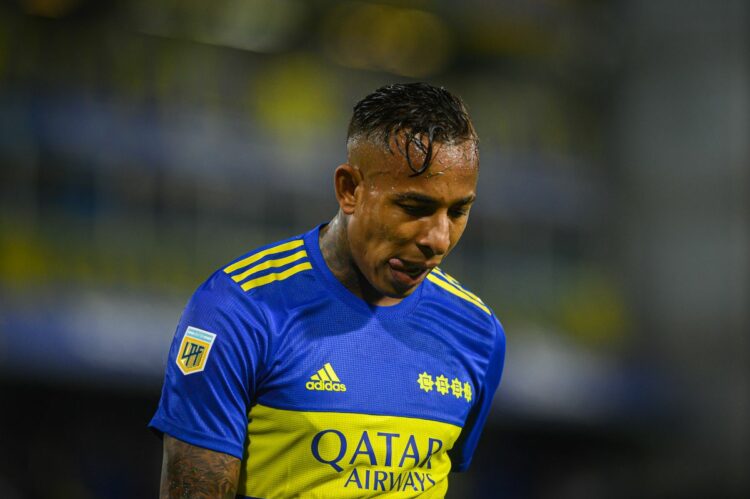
<point x="421" y="198"/>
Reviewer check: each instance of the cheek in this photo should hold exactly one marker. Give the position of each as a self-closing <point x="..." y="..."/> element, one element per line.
<point x="399" y="229"/>
<point x="385" y="238"/>
<point x="374" y="228"/>
<point x="385" y="225"/>
<point x="371" y="236"/>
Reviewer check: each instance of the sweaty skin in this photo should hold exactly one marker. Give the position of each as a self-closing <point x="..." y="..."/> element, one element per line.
<point x="197" y="473"/>
<point x="393" y="227"/>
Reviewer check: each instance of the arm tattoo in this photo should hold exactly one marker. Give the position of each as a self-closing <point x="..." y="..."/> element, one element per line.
<point x="196" y="473"/>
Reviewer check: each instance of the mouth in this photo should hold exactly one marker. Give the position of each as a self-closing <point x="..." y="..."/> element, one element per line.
<point x="406" y="273"/>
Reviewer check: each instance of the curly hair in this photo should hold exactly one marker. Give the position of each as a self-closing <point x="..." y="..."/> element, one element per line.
<point x="424" y="113"/>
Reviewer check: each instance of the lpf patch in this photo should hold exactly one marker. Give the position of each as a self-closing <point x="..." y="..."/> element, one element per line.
<point x="194" y="350"/>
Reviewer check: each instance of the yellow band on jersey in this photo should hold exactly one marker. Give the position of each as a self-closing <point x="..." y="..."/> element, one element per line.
<point x="455" y="282"/>
<point x="280" y="276"/>
<point x="269" y="264"/>
<point x="458" y="291"/>
<point x="345" y="455"/>
<point x="261" y="254"/>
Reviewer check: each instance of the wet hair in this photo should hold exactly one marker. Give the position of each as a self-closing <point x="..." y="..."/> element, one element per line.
<point x="424" y="113"/>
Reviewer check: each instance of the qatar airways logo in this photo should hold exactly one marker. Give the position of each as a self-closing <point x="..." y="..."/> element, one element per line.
<point x="408" y="459"/>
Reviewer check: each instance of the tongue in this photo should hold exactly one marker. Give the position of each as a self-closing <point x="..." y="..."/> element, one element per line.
<point x="397" y="264"/>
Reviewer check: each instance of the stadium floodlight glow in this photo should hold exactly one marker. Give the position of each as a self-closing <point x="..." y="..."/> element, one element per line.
<point x="264" y="26"/>
<point x="406" y="42"/>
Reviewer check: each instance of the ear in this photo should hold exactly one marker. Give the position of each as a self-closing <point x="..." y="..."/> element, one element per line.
<point x="346" y="182"/>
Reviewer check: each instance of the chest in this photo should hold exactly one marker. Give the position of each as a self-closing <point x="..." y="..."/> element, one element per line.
<point x="401" y="367"/>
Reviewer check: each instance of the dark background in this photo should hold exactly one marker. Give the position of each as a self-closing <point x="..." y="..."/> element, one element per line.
<point x="144" y="143"/>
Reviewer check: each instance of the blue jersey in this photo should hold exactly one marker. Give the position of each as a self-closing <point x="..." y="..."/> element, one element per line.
<point x="320" y="394"/>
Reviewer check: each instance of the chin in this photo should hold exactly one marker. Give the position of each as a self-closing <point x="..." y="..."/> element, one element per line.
<point x="391" y="289"/>
<point x="398" y="292"/>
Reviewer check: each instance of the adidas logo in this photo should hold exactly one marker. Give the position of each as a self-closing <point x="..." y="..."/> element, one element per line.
<point x="325" y="380"/>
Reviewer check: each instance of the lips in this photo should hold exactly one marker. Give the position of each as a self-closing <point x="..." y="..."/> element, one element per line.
<point x="407" y="273"/>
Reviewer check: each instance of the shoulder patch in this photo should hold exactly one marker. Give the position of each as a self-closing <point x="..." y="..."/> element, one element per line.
<point x="194" y="350"/>
<point x="451" y="285"/>
<point x="276" y="263"/>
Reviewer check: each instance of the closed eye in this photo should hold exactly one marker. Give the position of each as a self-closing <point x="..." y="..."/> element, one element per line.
<point x="460" y="210"/>
<point x="416" y="210"/>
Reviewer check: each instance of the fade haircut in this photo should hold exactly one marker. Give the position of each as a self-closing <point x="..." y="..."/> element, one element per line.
<point x="424" y="113"/>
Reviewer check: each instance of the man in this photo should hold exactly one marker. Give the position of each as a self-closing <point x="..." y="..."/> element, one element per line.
<point x="344" y="362"/>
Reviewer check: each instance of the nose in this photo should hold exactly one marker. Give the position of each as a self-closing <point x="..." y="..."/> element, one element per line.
<point x="435" y="240"/>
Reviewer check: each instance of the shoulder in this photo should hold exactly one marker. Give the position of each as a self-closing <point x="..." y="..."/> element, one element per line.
<point x="454" y="299"/>
<point x="250" y="292"/>
<point x="265" y="271"/>
<point x="451" y="290"/>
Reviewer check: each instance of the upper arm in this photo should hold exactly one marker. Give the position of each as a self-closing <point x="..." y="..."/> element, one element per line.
<point x="222" y="343"/>
<point x="195" y="472"/>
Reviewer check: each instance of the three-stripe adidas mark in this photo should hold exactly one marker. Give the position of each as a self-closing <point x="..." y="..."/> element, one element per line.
<point x="452" y="286"/>
<point x="325" y="380"/>
<point x="248" y="269"/>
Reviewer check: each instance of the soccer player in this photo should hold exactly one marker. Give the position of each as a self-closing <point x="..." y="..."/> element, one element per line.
<point x="344" y="362"/>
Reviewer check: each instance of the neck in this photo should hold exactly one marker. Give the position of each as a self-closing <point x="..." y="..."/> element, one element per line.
<point x="336" y="251"/>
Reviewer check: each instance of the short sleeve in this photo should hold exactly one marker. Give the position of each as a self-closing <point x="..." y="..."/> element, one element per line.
<point x="212" y="369"/>
<point x="463" y="450"/>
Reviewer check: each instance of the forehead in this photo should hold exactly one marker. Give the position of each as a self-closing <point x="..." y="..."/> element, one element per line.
<point x="452" y="172"/>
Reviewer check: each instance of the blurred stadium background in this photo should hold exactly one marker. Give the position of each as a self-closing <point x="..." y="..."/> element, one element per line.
<point x="143" y="143"/>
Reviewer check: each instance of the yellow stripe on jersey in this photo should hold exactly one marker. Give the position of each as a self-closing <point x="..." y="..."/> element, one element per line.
<point x="344" y="455"/>
<point x="322" y="375"/>
<point x="257" y="256"/>
<point x="457" y="291"/>
<point x="331" y="373"/>
<point x="439" y="271"/>
<point x="453" y="281"/>
<point x="269" y="264"/>
<point x="279" y="276"/>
